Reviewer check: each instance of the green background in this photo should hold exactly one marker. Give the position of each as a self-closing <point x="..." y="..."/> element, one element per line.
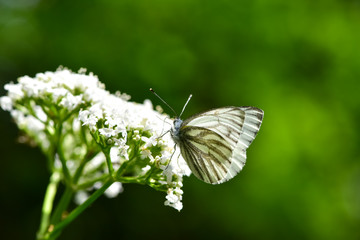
<point x="297" y="60"/>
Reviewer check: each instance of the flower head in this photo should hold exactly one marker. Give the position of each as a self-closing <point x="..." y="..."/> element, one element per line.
<point x="97" y="134"/>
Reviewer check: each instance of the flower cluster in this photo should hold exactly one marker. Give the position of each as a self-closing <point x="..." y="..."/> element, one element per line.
<point x="89" y="134"/>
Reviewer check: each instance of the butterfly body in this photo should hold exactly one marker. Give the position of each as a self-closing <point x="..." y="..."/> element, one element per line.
<point x="214" y="143"/>
<point x="175" y="131"/>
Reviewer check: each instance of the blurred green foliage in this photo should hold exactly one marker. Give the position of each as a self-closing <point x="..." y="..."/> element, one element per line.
<point x="297" y="60"/>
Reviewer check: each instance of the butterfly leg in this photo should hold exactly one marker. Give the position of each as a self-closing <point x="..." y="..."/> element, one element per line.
<point x="178" y="160"/>
<point x="163" y="134"/>
<point x="171" y="157"/>
<point x="164" y="121"/>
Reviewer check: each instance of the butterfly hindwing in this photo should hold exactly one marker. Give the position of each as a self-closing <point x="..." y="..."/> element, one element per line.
<point x="214" y="143"/>
<point x="206" y="152"/>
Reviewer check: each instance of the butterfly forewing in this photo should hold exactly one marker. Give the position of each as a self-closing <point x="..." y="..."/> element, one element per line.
<point x="214" y="143"/>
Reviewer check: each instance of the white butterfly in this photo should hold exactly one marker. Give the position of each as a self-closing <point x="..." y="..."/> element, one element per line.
<point x="214" y="143"/>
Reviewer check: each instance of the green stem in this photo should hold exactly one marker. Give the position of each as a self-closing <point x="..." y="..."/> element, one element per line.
<point x="63" y="165"/>
<point x="83" y="135"/>
<point x="61" y="154"/>
<point x="122" y="169"/>
<point x="92" y="182"/>
<point x="62" y="205"/>
<point x="48" y="204"/>
<point x="77" y="211"/>
<point x="50" y="158"/>
<point x="88" y="156"/>
<point x="106" y="152"/>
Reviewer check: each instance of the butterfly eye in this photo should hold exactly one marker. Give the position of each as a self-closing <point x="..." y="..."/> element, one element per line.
<point x="177" y="123"/>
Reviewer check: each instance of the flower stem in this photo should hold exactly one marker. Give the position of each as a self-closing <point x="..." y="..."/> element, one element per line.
<point x="48" y="204"/>
<point x="91" y="182"/>
<point x="62" y="205"/>
<point x="106" y="152"/>
<point x="77" y="211"/>
<point x="61" y="155"/>
<point x="88" y="156"/>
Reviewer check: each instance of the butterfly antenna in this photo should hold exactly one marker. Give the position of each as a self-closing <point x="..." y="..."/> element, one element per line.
<point x="185" y="105"/>
<point x="163" y="101"/>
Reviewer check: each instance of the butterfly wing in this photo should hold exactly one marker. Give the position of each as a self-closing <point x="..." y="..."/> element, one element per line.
<point x="214" y="143"/>
<point x="206" y="153"/>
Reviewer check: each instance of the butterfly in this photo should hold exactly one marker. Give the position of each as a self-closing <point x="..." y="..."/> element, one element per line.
<point x="214" y="143"/>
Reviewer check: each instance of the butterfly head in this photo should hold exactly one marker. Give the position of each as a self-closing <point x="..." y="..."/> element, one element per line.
<point x="176" y="129"/>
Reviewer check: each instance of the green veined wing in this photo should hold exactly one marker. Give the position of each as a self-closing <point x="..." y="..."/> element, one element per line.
<point x="214" y="143"/>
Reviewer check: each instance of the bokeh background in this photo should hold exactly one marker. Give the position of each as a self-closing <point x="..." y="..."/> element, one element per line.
<point x="298" y="60"/>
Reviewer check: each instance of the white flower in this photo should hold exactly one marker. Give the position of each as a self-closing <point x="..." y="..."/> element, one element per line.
<point x="137" y="136"/>
<point x="70" y="101"/>
<point x="107" y="132"/>
<point x="115" y="111"/>
<point x="152" y="141"/>
<point x="146" y="153"/>
<point x="6" y="103"/>
<point x="145" y="169"/>
<point x="114" y="190"/>
<point x="173" y="199"/>
<point x="32" y="87"/>
<point x="15" y="91"/>
<point x="81" y="197"/>
<point x="106" y="115"/>
<point x="57" y="93"/>
<point x="88" y="119"/>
